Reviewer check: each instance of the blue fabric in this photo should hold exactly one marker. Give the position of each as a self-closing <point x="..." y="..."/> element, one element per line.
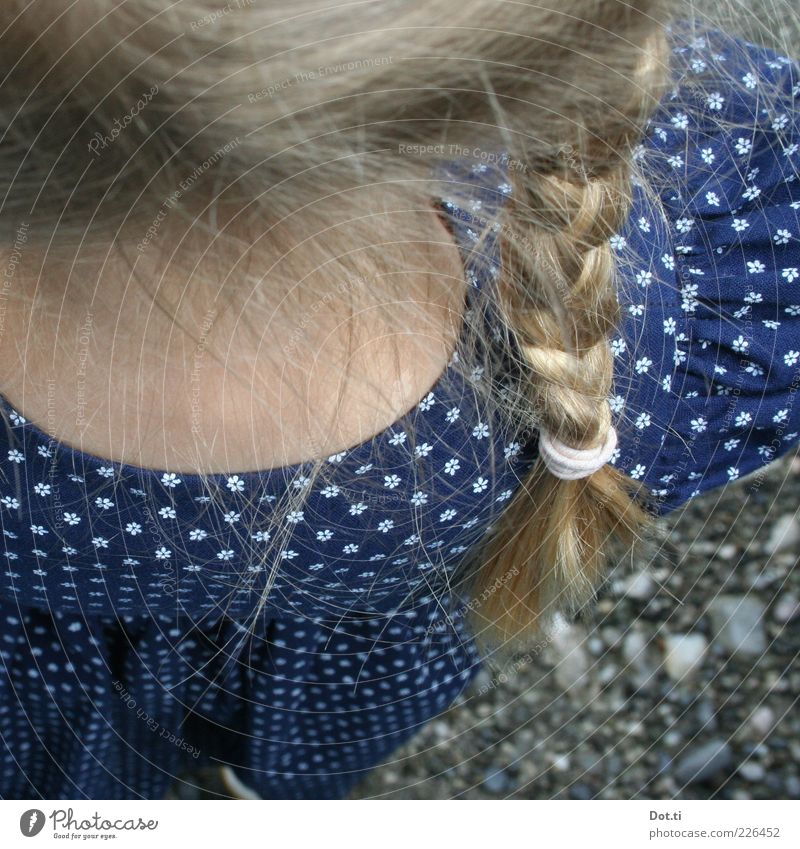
<point x="706" y="368"/>
<point x="133" y="645"/>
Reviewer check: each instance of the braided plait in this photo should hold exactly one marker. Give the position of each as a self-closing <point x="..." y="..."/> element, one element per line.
<point x="558" y="297"/>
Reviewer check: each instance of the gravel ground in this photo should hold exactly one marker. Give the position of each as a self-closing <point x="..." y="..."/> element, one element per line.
<point x="684" y="684"/>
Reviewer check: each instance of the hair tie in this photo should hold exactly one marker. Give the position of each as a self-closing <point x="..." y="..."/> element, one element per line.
<point x="573" y="463"/>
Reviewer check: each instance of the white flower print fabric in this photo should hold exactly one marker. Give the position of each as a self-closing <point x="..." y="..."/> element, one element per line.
<point x="707" y="360"/>
<point x="133" y="645"/>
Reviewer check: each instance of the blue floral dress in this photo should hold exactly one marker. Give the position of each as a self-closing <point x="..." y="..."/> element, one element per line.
<point x="133" y="645"/>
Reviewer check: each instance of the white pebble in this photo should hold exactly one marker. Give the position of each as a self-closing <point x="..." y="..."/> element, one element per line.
<point x="762" y="720"/>
<point x="640" y="665"/>
<point x="786" y="609"/>
<point x="684" y="654"/>
<point x="568" y="652"/>
<point x="640" y="586"/>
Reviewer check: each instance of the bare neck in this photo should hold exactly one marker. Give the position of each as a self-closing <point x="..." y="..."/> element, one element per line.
<point x="240" y="370"/>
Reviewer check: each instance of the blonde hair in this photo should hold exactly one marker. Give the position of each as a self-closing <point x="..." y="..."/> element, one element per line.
<point x="563" y="88"/>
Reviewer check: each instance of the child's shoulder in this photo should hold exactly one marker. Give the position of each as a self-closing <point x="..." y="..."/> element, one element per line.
<point x="723" y="149"/>
<point x="704" y="53"/>
<point x="729" y="101"/>
<point x="706" y="359"/>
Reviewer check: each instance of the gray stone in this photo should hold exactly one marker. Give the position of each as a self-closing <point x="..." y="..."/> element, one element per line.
<point x="496" y="781"/>
<point x="763" y="579"/>
<point x="738" y="625"/>
<point x="579" y="790"/>
<point x="751" y="771"/>
<point x="703" y="762"/>
<point x="639" y="657"/>
<point x="793" y="787"/>
<point x="608" y="673"/>
<point x="785" y="534"/>
<point x="483" y="681"/>
<point x="786" y="608"/>
<point x="706" y="715"/>
<point x="664" y="763"/>
<point x="596" y="645"/>
<point x="762" y="720"/>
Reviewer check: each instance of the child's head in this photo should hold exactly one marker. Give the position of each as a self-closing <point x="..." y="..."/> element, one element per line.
<point x="117" y="111"/>
<point x="293" y="98"/>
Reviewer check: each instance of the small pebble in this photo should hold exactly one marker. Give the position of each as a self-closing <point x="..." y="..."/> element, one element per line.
<point x="580" y="791"/>
<point x="641" y="665"/>
<point x="441" y="730"/>
<point x="793" y="787"/>
<point x="738" y="625"/>
<point x="664" y="764"/>
<point x="561" y="762"/>
<point x="568" y="651"/>
<point x="684" y="654"/>
<point x="762" y="720"/>
<point x="611" y="636"/>
<point x="704" y="762"/>
<point x="786" y="609"/>
<point x="596" y="645"/>
<point x="706" y="715"/>
<point x="496" y="781"/>
<point x="764" y="579"/>
<point x="785" y="534"/>
<point x="607" y="674"/>
<point x="751" y="771"/>
<point x="483" y="681"/>
<point x="640" y="586"/>
<point x="780" y="685"/>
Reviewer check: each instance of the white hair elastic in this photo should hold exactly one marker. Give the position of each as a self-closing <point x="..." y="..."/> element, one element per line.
<point x="573" y="463"/>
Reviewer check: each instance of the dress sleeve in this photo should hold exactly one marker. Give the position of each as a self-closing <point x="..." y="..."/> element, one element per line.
<point x="707" y="357"/>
